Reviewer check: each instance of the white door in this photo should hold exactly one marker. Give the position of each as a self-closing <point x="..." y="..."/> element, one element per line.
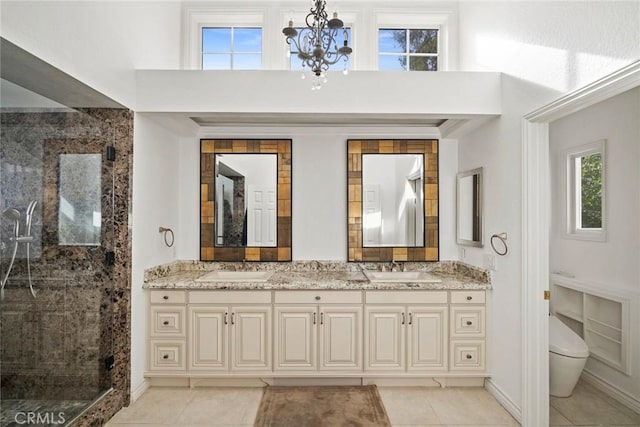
<point x="261" y="216"/>
<point x="384" y="335"/>
<point x="427" y="338"/>
<point x="340" y="337"/>
<point x="251" y="338"/>
<point x="208" y="338"/>
<point x="371" y="215"/>
<point x="295" y="336"/>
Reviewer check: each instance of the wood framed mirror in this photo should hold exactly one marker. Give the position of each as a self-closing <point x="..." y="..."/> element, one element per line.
<point x="245" y="200"/>
<point x="393" y="200"/>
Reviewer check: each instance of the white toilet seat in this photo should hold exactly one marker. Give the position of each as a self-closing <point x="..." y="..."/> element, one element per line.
<point x="565" y="342"/>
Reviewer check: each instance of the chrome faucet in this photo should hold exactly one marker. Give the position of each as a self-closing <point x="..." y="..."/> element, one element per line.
<point x="397" y="266"/>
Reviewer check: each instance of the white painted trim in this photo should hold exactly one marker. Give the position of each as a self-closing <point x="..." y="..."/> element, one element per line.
<point x="138" y="391"/>
<point x="611" y="390"/>
<point x="535" y="232"/>
<point x="503" y="399"/>
<point x="607" y="87"/>
<point x="535" y="273"/>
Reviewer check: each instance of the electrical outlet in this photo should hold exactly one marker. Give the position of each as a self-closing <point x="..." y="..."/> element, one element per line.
<point x="463" y="253"/>
<point x="489" y="261"/>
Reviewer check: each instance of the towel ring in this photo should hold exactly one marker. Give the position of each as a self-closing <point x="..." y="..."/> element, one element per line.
<point x="166" y="232"/>
<point x="502" y="237"/>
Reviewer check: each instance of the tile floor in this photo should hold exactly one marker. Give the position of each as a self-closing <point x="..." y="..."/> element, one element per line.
<point x="587" y="406"/>
<point x="182" y="407"/>
<point x="238" y="407"/>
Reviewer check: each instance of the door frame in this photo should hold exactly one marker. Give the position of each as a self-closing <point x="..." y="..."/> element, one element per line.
<point x="536" y="221"/>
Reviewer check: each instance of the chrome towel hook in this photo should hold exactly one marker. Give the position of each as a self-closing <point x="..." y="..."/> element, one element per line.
<point x="502" y="237"/>
<point x="167" y="232"/>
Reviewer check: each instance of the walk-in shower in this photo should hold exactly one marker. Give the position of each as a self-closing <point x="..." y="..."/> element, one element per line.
<point x="64" y="201"/>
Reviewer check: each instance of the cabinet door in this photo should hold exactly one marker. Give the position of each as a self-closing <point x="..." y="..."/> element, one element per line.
<point x="384" y="346"/>
<point x="427" y="338"/>
<point x="251" y="338"/>
<point x="208" y="338"/>
<point x="340" y="337"/>
<point x="295" y="337"/>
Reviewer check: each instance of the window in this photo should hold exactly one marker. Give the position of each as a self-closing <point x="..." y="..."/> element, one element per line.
<point x="407" y="49"/>
<point x="231" y="48"/>
<point x="295" y="63"/>
<point x="585" y="179"/>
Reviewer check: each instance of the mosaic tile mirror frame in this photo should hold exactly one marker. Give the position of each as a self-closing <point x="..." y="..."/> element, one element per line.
<point x="208" y="150"/>
<point x="356" y="148"/>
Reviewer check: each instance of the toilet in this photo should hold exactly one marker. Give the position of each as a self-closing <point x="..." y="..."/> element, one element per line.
<point x="567" y="356"/>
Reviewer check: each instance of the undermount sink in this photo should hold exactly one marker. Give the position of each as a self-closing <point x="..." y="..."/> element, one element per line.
<point x="401" y="276"/>
<point x="236" y="276"/>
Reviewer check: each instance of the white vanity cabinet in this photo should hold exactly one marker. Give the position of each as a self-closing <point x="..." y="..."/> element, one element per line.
<point x="229" y="330"/>
<point x="198" y="334"/>
<point x="318" y="330"/>
<point x="406" y="331"/>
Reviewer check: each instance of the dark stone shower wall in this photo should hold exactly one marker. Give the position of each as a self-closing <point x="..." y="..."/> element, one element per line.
<point x="82" y="311"/>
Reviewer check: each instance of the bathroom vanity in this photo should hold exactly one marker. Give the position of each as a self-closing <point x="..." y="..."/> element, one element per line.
<point x="312" y="320"/>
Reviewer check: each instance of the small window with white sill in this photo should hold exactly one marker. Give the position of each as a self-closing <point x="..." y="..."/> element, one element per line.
<point x="585" y="191"/>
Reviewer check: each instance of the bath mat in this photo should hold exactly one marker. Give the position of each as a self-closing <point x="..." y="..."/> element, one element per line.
<point x="321" y="406"/>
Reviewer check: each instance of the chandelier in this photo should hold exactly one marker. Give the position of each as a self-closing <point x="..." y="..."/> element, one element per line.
<point x="317" y="45"/>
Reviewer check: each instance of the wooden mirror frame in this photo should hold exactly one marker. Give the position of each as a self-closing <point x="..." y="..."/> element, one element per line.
<point x="355" y="149"/>
<point x="208" y="149"/>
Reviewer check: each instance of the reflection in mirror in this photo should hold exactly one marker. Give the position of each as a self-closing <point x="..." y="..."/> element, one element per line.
<point x="392" y="200"/>
<point x="246" y="200"/>
<point x="80" y="209"/>
<point x="469" y="222"/>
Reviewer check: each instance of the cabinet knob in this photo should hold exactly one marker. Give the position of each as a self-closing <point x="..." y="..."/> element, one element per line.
<point x="318" y="298"/>
<point x="469" y="356"/>
<point x="166" y="356"/>
<point x="469" y="298"/>
<point x="166" y="297"/>
<point x="469" y="322"/>
<point x="166" y="322"/>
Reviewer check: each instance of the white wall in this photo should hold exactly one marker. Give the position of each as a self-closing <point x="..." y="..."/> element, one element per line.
<point x="319" y="169"/>
<point x="613" y="264"/>
<point x="155" y="204"/>
<point x="545" y="49"/>
<point x="100" y="43"/>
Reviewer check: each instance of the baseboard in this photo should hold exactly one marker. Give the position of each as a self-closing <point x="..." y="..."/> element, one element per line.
<point x="138" y="390"/>
<point x="503" y="399"/>
<point x="612" y="391"/>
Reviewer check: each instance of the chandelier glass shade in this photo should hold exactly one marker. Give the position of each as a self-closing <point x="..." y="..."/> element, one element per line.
<point x="318" y="45"/>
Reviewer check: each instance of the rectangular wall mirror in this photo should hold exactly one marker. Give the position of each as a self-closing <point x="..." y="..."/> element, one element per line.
<point x="245" y="200"/>
<point x="393" y="200"/>
<point x="469" y="208"/>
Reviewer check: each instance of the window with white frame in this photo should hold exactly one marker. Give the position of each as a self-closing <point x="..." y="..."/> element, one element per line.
<point x="585" y="191"/>
<point x="408" y="49"/>
<point x="231" y="48"/>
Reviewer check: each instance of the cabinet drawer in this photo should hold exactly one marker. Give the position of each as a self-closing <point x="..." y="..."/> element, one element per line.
<point x="467" y="356"/>
<point x="167" y="355"/>
<point x="467" y="297"/>
<point x="230" y="297"/>
<point x="406" y="297"/>
<point x="168" y="297"/>
<point x="168" y="321"/>
<point x="467" y="321"/>
<point x="318" y="297"/>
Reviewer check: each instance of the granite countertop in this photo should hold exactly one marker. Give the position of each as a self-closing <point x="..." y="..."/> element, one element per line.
<point x="326" y="276"/>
